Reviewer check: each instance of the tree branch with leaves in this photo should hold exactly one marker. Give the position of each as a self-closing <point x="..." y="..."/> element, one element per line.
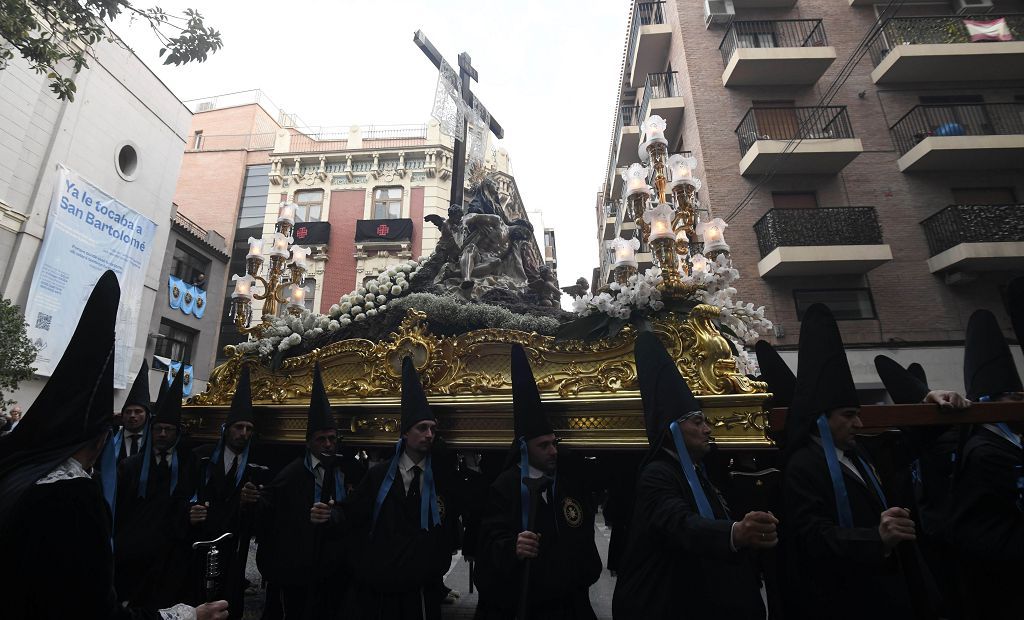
<point x="57" y="36"/>
<point x="17" y="353"/>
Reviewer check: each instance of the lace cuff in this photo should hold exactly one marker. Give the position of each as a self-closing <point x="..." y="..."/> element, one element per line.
<point x="181" y="611"/>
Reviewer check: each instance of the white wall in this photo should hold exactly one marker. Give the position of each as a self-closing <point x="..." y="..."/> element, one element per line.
<point x="119" y="100"/>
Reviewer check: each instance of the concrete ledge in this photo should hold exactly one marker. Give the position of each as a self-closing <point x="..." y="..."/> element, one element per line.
<point x="777" y="66"/>
<point x="991" y="256"/>
<point x="952" y="62"/>
<point x="964" y="153"/>
<point x="651" y="49"/>
<point x="823" y="260"/>
<point x="811" y="156"/>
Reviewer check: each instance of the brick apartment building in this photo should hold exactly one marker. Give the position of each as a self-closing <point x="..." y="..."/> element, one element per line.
<point x="361" y="192"/>
<point x="899" y="203"/>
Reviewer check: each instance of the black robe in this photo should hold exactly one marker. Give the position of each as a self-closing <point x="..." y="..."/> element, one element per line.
<point x="842" y="572"/>
<point x="679" y="564"/>
<point x="293" y="551"/>
<point x="568" y="562"/>
<point x="397" y="570"/>
<point x="56" y="548"/>
<point x="226" y="514"/>
<point x="151" y="533"/>
<point x="988" y="527"/>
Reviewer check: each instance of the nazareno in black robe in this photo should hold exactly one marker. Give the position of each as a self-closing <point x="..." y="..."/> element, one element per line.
<point x="988" y="527"/>
<point x="397" y="570"/>
<point x="151" y="533"/>
<point x="56" y="547"/>
<point x="679" y="564"/>
<point x="568" y="562"/>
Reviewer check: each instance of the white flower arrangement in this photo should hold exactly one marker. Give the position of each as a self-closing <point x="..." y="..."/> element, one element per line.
<point x="640" y="292"/>
<point x="368" y="301"/>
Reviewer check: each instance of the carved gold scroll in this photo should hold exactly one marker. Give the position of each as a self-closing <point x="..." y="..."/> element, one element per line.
<point x="590" y="388"/>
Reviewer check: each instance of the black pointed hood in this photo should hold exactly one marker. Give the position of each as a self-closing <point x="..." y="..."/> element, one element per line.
<point x="74" y="406"/>
<point x="989" y="369"/>
<point x="320" y="416"/>
<point x="528" y="410"/>
<point x="168" y="406"/>
<point x="904" y="386"/>
<point x="139" y="394"/>
<point x="665" y="394"/>
<point x="1015" y="299"/>
<point x="241" y="402"/>
<point x="415" y="406"/>
<point x="918" y="372"/>
<point x="824" y="381"/>
<point x="776" y="373"/>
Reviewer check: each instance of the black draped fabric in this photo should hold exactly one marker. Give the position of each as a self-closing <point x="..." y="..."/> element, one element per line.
<point x="151" y="533"/>
<point x="226" y="513"/>
<point x="566" y="566"/>
<point x="397" y="570"/>
<point x="475" y="490"/>
<point x="56" y="547"/>
<point x="827" y="563"/>
<point x="296" y="554"/>
<point x="678" y="563"/>
<point x="384" y="230"/>
<point x="988" y="527"/>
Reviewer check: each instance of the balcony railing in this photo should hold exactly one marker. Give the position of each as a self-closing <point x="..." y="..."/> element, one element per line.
<point x="772" y="33"/>
<point x="628" y="115"/>
<point x="941" y="29"/>
<point x="646" y="14"/>
<point x="401" y="136"/>
<point x="238" y="142"/>
<point x="958" y="224"/>
<point x="826" y="226"/>
<point x="658" y="86"/>
<point x="805" y="123"/>
<point x="962" y="119"/>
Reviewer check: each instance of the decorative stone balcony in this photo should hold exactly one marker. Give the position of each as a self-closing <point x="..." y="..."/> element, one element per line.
<point x="778" y="52"/>
<point x="952" y="48"/>
<point x="649" y="40"/>
<point x="983" y="136"/>
<point x="976" y="238"/>
<point x="801" y="242"/>
<point x="791" y="140"/>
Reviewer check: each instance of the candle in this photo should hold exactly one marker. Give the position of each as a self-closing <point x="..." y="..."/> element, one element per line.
<point x="700" y="263"/>
<point x="255" y="248"/>
<point x="625" y="252"/>
<point x="635" y="178"/>
<point x="298" y="295"/>
<point x="660" y="220"/>
<point x="681" y="169"/>
<point x="286" y="213"/>
<point x="280" y="247"/>
<point x="654" y="129"/>
<point x="713" y="233"/>
<point x="299" y="255"/>
<point x="243" y="286"/>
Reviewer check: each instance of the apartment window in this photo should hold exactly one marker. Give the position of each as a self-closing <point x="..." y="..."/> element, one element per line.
<point x="984" y="196"/>
<point x="387" y="203"/>
<point x="254" y="196"/>
<point x="309" y="204"/>
<point x="177" y="341"/>
<point x="755" y="34"/>
<point x="795" y="200"/>
<point x="846" y="304"/>
<point x="197" y="141"/>
<point x="187" y="264"/>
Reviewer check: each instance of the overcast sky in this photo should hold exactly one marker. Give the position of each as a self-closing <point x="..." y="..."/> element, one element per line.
<point x="548" y="71"/>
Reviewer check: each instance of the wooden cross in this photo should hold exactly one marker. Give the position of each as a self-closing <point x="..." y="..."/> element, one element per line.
<point x="466" y="73"/>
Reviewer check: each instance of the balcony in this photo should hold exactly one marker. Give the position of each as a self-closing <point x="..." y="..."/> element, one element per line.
<point x="610" y="214"/>
<point x="980" y="136"/>
<point x="976" y="238"/>
<point x="949" y="49"/>
<point x="789" y="140"/>
<point x="649" y="39"/>
<point x="627" y="134"/>
<point x="777" y="52"/>
<point x="804" y="242"/>
<point x="662" y="97"/>
<point x="763" y="4"/>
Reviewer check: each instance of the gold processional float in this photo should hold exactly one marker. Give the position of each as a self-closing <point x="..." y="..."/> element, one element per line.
<point x="588" y="385"/>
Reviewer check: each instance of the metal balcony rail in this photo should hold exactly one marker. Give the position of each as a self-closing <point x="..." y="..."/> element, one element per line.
<point x="239" y="142"/>
<point x="379" y="137"/>
<point x="772" y="33"/>
<point x="958" y="224"/>
<point x="628" y="115"/>
<point x="189" y="225"/>
<point x="788" y="123"/>
<point x="944" y="29"/>
<point x="959" y="119"/>
<point x="822" y="226"/>
<point x="644" y="14"/>
<point x="658" y="86"/>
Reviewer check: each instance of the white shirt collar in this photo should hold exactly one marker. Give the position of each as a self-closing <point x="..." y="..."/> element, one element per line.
<point x="535" y="473"/>
<point x="405" y="462"/>
<point x="67" y="470"/>
<point x="851" y="467"/>
<point x="229" y="456"/>
<point x="313" y="461"/>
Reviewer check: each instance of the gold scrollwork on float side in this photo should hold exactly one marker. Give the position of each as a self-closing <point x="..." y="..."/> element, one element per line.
<point x="378" y="424"/>
<point x="749" y="420"/>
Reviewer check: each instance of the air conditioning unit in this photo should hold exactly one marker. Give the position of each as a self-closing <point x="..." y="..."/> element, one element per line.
<point x="718" y="12"/>
<point x="972" y="7"/>
<point x="205" y="106"/>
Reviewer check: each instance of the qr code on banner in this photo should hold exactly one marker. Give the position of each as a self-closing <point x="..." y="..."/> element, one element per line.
<point x="43" y="321"/>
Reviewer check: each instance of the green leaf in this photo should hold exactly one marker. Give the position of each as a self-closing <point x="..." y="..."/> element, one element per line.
<point x="725" y="329"/>
<point x="583" y="327"/>
<point x="615" y="326"/>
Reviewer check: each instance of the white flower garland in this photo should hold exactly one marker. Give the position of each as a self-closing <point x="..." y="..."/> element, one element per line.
<point x="640" y="291"/>
<point x="365" y="302"/>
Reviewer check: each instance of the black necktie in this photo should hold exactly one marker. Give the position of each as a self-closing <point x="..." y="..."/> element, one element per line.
<point x="135" y="445"/>
<point x="230" y="481"/>
<point x="414" y="488"/>
<point x="163" y="459"/>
